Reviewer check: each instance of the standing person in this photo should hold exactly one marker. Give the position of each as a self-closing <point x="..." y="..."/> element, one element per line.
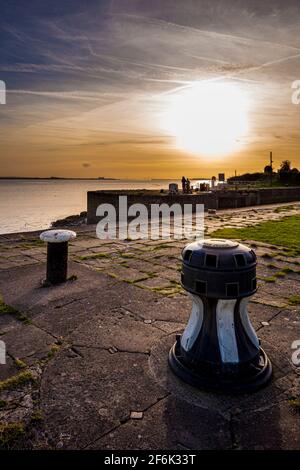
<point x="183" y="181"/>
<point x="188" y="186"/>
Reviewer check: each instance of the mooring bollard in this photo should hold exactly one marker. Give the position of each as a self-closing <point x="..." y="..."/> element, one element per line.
<point x="219" y="349"/>
<point x="57" y="254"/>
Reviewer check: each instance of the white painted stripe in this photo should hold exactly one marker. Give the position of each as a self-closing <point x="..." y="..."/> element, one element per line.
<point x="226" y="331"/>
<point x="194" y="325"/>
<point x="246" y="322"/>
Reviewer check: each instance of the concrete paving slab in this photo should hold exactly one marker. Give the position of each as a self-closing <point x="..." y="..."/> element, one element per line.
<point x="87" y="395"/>
<point x="268" y="428"/>
<point x="170" y="424"/>
<point x="110" y="330"/>
<point x="97" y="348"/>
<point x="28" y="342"/>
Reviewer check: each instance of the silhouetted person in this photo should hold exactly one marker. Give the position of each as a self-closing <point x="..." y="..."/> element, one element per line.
<point x="183" y="181"/>
<point x="188" y="186"/>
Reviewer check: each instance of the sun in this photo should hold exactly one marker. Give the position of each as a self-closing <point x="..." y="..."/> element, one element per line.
<point x="208" y="118"/>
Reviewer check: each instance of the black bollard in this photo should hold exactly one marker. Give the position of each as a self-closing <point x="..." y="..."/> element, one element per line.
<point x="219" y="349"/>
<point x="57" y="262"/>
<point x="57" y="254"/>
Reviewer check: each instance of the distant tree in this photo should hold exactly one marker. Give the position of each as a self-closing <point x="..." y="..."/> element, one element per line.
<point x="288" y="175"/>
<point x="268" y="169"/>
<point x="295" y="176"/>
<point x="247" y="177"/>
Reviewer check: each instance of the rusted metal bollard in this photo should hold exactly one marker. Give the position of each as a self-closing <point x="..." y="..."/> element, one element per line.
<point x="219" y="349"/>
<point x="57" y="254"/>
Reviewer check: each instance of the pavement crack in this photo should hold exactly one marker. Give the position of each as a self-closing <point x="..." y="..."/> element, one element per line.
<point x="158" y="328"/>
<point x="147" y="353"/>
<point x="109" y="349"/>
<point x="105" y="434"/>
<point x="157" y="402"/>
<point x="76" y="351"/>
<point x="70" y="302"/>
<point x="270" y="319"/>
<point x="275" y="315"/>
<point x="183" y="446"/>
<point x="124" y="421"/>
<point x="234" y="443"/>
<point x="45" y="331"/>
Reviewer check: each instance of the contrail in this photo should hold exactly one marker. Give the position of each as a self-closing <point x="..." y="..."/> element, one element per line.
<point x="207" y="32"/>
<point x="234" y="75"/>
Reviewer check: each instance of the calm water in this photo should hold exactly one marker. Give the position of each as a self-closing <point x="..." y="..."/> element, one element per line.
<point x="32" y="205"/>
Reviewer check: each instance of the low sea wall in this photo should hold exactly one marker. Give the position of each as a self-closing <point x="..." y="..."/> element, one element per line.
<point x="212" y="200"/>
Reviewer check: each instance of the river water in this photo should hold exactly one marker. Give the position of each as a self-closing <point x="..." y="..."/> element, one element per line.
<point x="27" y="205"/>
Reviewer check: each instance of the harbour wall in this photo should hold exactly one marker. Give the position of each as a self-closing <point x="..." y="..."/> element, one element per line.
<point x="218" y="199"/>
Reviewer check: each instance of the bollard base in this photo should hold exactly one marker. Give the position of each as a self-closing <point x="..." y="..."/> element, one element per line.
<point x="252" y="378"/>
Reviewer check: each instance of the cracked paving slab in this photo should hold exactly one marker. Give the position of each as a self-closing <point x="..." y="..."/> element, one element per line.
<point x="123" y="333"/>
<point x="170" y="424"/>
<point x="283" y="386"/>
<point x="271" y="429"/>
<point x="111" y="343"/>
<point x="29" y="343"/>
<point x="85" y="396"/>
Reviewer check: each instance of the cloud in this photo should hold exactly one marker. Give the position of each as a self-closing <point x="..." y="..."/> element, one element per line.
<point x="114" y="66"/>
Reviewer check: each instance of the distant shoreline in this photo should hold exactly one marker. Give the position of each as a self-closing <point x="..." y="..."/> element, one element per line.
<point x="55" y="178"/>
<point x="58" y="178"/>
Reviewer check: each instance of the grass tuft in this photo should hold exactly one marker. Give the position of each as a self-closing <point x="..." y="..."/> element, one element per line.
<point x="267" y="256"/>
<point x="10" y="433"/>
<point x="294" y="300"/>
<point x="20" y="364"/>
<point x="295" y="404"/>
<point x="94" y="256"/>
<point x="272" y="266"/>
<point x="280" y="274"/>
<point x="33" y="244"/>
<point x="37" y="416"/>
<point x="278" y="210"/>
<point x="23" y="378"/>
<point x="54" y="349"/>
<point x="269" y="279"/>
<point x="6" y="309"/>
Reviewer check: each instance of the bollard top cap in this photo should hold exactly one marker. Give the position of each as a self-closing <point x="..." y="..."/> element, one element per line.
<point x="218" y="268"/>
<point x="216" y="254"/>
<point x="218" y="243"/>
<point x="57" y="236"/>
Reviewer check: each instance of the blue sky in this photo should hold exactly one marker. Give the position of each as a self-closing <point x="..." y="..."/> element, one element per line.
<point x="88" y="81"/>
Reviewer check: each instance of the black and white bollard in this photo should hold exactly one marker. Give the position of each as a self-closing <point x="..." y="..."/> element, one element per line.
<point x="219" y="349"/>
<point x="57" y="254"/>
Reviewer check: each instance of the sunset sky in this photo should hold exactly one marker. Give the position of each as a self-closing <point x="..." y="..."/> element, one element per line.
<point x="111" y="88"/>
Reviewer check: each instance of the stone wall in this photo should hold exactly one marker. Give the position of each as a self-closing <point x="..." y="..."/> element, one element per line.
<point x="211" y="200"/>
<point x="273" y="195"/>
